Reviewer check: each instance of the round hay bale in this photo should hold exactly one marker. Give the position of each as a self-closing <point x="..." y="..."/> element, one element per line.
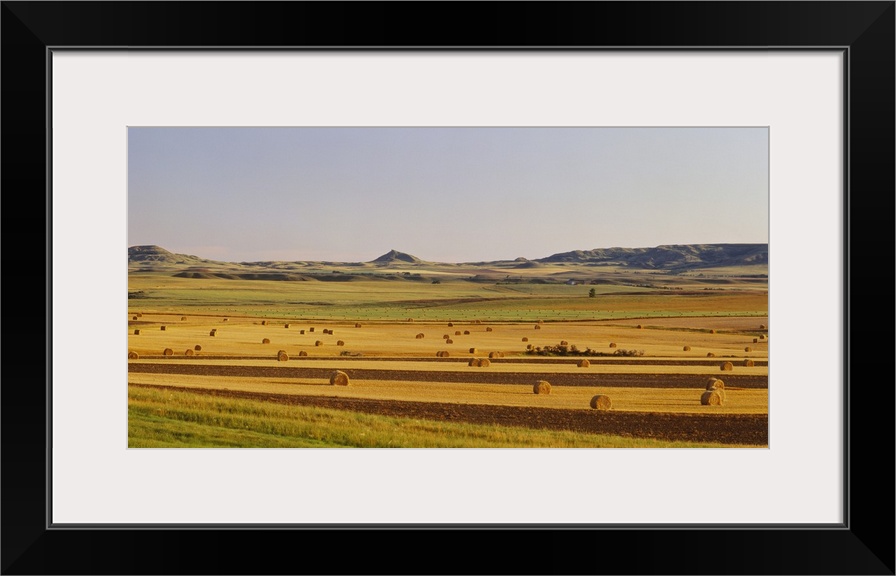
<point x="477" y="321"/>
<point x="525" y="339"/>
<point x="137" y="332"/>
<point x="265" y="340"/>
<point x="640" y="327"/>
<point x="748" y="349"/>
<point x="711" y="398"/>
<point x="755" y="340"/>
<point x="212" y="333"/>
<point x="139" y="314"/>
<point x="168" y="352"/>
<point x="537" y="327"/>
<point x="282" y="356"/>
<point x="340" y="343"/>
<point x="226" y="319"/>
<point x="357" y="325"/>
<point x="162" y="327"/>
<point x="762" y="326"/>
<point x="748" y="363"/>
<point x="542" y="387"/>
<point x="197" y="347"/>
<point x="584" y="363"/>
<point x="318" y="343"/>
<point x="338" y="378"/>
<point x="466" y="332"/>
<point x="564" y="343"/>
<point x="410" y="319"/>
<point x="188" y="352"/>
<point x="419" y="336"/>
<point x="762" y="336"/>
<point x="133" y="318"/>
<point x="302" y="353"/>
<point x="457" y="332"/>
<point x="712" y="331"/>
<point x="183" y="318"/>
<point x="715" y="384"/>
<point x="529" y="346"/>
<point x="494" y="354"/>
<point x="726" y="367"/>
<point x="133" y="355"/>
<point x="472" y="350"/>
<point x="612" y="344"/>
<point x="473" y="362"/>
<point x="451" y="324"/>
<point x="484" y="362"/>
<point x="601" y="402"/>
<point x="446" y="336"/>
<point x="286" y="325"/>
<point x="687" y="348"/>
<point x="449" y="341"/>
<point x="541" y="321"/>
<point x="442" y="354"/>
<point x="264" y="322"/>
<point x="710" y="355"/>
<point x="488" y="329"/>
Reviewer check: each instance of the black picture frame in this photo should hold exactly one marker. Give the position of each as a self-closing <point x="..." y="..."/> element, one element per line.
<point x="864" y="544"/>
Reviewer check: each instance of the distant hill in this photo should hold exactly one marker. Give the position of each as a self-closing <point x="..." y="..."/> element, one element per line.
<point x="675" y="258"/>
<point x="393" y="256"/>
<point x="670" y="257"/>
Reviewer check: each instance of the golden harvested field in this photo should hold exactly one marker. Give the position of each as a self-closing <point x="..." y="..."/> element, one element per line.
<point x="651" y="352"/>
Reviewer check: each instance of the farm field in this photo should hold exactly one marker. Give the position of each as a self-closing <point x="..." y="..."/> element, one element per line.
<point x="229" y="347"/>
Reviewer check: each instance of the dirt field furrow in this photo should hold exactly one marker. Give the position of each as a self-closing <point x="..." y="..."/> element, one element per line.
<point x="556" y="379"/>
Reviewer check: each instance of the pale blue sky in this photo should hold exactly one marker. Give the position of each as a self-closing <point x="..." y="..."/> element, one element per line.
<point x="442" y="194"/>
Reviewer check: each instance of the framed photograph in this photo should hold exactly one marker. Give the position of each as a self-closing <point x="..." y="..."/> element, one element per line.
<point x="111" y="108"/>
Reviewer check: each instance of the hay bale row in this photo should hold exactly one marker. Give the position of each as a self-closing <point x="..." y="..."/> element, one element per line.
<point x="584" y="363"/>
<point x="601" y="402"/>
<point x="282" y="356"/>
<point x="726" y="367"/>
<point x="479" y="362"/>
<point x="442" y="354"/>
<point x="542" y="387"/>
<point x="339" y="378"/>
<point x="419" y="336"/>
<point x="133" y="355"/>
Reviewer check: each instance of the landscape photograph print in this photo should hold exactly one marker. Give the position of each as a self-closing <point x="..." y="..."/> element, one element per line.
<point x="448" y="287"/>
